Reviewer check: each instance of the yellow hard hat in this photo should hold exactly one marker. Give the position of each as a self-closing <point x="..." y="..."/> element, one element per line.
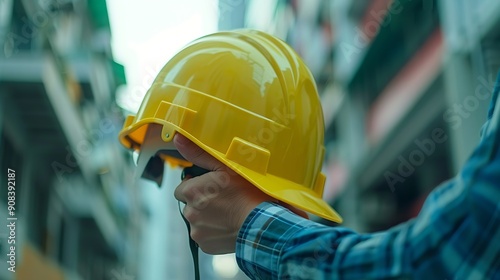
<point x="247" y="99"/>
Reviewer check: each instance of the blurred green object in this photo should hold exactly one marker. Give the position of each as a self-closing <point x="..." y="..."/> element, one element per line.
<point x="99" y="13"/>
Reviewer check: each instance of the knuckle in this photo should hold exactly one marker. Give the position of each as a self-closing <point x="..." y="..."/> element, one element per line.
<point x="196" y="235"/>
<point x="201" y="203"/>
<point x="189" y="193"/>
<point x="178" y="194"/>
<point x="211" y="190"/>
<point x="190" y="214"/>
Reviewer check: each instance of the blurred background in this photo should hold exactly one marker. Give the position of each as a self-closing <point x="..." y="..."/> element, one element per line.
<point x="405" y="86"/>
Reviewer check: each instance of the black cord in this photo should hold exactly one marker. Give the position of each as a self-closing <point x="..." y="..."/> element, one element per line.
<point x="192" y="246"/>
<point x="192" y="171"/>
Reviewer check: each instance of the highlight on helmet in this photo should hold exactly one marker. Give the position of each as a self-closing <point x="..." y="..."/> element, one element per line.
<point x="247" y="99"/>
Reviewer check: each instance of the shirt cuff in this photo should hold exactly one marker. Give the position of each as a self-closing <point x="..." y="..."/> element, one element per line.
<point x="262" y="238"/>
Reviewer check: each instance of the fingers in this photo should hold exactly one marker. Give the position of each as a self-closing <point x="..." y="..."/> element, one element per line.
<point x="208" y="234"/>
<point x="197" y="191"/>
<point x="191" y="152"/>
<point x="179" y="193"/>
<point x="184" y="192"/>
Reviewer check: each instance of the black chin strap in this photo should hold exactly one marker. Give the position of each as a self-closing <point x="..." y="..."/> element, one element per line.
<point x="192" y="246"/>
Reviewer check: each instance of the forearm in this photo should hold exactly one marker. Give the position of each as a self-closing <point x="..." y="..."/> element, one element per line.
<point x="275" y="244"/>
<point x="447" y="239"/>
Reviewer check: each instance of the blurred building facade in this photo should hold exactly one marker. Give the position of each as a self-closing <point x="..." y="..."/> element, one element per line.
<point x="74" y="205"/>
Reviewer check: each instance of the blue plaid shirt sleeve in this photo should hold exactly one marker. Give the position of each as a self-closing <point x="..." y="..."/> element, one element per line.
<point x="455" y="236"/>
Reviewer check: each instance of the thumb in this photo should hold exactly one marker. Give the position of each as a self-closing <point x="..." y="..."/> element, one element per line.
<point x="192" y="153"/>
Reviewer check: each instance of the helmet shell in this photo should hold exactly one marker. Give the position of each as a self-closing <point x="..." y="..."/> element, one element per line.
<point x="248" y="99"/>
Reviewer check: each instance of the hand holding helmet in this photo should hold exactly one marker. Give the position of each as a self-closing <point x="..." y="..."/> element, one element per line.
<point x="217" y="202"/>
